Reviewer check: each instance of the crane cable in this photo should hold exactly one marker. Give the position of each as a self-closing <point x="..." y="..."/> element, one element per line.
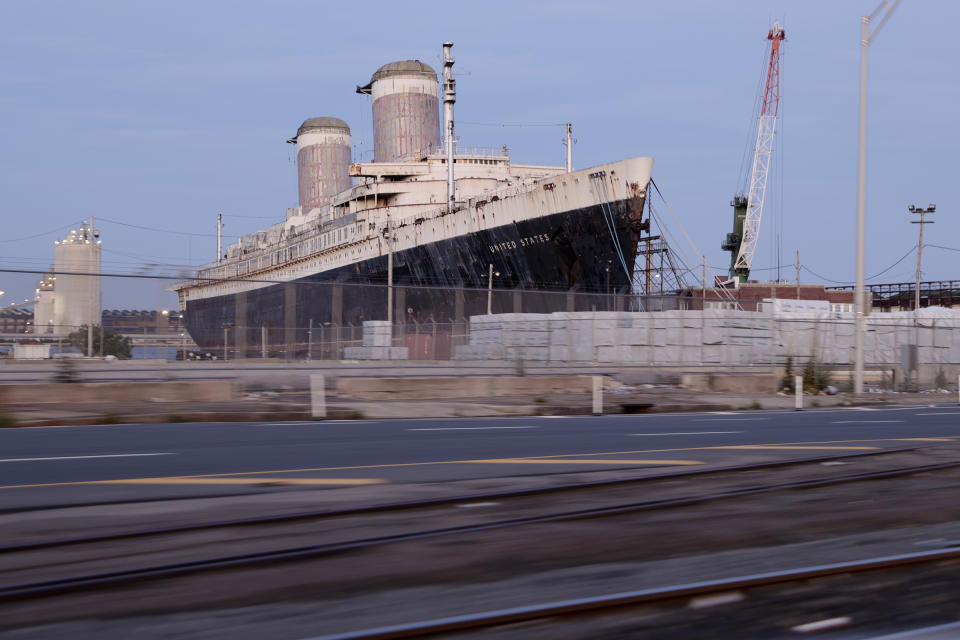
<point x="595" y="180"/>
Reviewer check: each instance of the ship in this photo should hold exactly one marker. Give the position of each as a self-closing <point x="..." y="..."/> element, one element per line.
<point x="422" y="233"/>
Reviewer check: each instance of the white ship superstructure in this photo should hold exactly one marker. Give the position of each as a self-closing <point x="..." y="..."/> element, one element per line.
<point x="417" y="219"/>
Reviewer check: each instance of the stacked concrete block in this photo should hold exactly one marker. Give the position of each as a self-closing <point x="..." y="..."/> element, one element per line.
<point x="526" y="337"/>
<point x="885" y="344"/>
<point x="478" y="352"/>
<point x="527" y="354"/>
<point x="711" y="337"/>
<point x="376" y="353"/>
<point x="376" y="344"/>
<point x="377" y="333"/>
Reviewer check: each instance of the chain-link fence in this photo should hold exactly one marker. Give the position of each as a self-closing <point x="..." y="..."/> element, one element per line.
<point x="331" y="321"/>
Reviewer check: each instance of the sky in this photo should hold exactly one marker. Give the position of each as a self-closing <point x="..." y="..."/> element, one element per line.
<point x="155" y="116"/>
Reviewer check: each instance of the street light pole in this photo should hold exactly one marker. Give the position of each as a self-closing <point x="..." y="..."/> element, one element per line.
<point x="389" y="272"/>
<point x="922" y="221"/>
<point x="490" y="290"/>
<point x="865" y="38"/>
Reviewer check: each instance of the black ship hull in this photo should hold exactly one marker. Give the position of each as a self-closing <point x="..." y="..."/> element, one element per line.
<point x="568" y="261"/>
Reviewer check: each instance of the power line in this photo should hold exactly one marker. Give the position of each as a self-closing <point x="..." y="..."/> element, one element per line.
<point x="937" y="246"/>
<point x="44" y="233"/>
<point x="876" y="275"/>
<point x="236" y="215"/>
<point x="512" y="124"/>
<point x="179" y="233"/>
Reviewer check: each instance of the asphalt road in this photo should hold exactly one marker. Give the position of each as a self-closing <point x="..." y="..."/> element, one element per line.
<point x="47" y="466"/>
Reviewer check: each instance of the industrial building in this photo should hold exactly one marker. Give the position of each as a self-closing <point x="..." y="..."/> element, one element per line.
<point x="69" y="298"/>
<point x="750" y="296"/>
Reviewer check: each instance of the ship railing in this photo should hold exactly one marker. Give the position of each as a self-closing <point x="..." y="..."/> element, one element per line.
<point x="266" y="257"/>
<point x="477" y="150"/>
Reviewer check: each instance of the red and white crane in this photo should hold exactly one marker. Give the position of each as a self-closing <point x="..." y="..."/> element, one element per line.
<point x="744" y="243"/>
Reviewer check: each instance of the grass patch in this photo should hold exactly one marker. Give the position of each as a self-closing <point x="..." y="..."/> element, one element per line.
<point x="175" y="417"/>
<point x="7" y="421"/>
<point x="540" y="399"/>
<point x="753" y="405"/>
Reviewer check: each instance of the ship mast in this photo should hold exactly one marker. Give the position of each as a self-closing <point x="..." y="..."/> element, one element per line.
<point x="449" y="97"/>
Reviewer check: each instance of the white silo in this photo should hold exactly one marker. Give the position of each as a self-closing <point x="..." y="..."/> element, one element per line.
<point x="323" y="160"/>
<point x="76" y="297"/>
<point x="406" y="110"/>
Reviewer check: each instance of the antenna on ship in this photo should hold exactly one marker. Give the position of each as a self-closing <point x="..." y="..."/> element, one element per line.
<point x="449" y="97"/>
<point x="568" y="142"/>
<point x="219" y="237"/>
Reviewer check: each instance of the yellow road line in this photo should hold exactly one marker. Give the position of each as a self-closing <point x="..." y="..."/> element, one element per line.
<point x="782" y="445"/>
<point x="247" y="481"/>
<point x="790" y="447"/>
<point x="582" y="461"/>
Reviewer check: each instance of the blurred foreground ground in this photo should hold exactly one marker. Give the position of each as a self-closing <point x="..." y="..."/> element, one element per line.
<point x="494" y="569"/>
<point x="278" y="391"/>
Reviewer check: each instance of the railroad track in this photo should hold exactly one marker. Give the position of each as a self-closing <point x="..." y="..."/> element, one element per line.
<point x="116" y="578"/>
<point x="596" y="604"/>
<point x="301" y="516"/>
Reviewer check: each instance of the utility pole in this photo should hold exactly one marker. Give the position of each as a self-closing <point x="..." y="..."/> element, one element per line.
<point x="866" y="37"/>
<point x="310" y="341"/>
<point x="219" y="237"/>
<point x="922" y="221"/>
<point x="608" y="285"/>
<point x="798" y="274"/>
<point x="389" y="271"/>
<point x="490" y="290"/>
<point x="703" y="302"/>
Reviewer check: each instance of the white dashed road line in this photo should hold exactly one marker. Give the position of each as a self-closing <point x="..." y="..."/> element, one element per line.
<point x="683" y="433"/>
<point x="111" y="455"/>
<point x="466" y="428"/>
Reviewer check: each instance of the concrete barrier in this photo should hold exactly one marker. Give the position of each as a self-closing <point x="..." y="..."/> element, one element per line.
<point x="430" y="388"/>
<point x="739" y="383"/>
<point x="63" y="393"/>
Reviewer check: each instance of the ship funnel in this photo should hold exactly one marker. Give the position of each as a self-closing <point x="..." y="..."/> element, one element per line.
<point x="406" y="110"/>
<point x="323" y="160"/>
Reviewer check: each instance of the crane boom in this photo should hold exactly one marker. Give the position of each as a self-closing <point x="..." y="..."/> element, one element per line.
<point x="745" y="242"/>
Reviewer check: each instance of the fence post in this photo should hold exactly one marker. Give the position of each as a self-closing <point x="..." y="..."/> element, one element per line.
<point x="798" y="392"/>
<point x="597" y="395"/>
<point x="310" y="340"/>
<point x="318" y="399"/>
<point x="263" y="341"/>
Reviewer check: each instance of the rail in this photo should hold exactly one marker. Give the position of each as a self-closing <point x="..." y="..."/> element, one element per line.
<point x="435" y="502"/>
<point x="642" y="597"/>
<point x="115" y="578"/>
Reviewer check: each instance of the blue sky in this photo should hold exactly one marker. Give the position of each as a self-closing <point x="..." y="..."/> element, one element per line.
<point x="162" y="114"/>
